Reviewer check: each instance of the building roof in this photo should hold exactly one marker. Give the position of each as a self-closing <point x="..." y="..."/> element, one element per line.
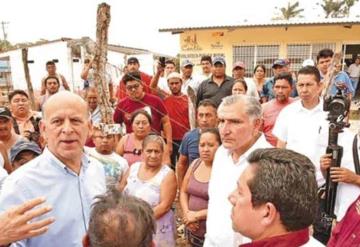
<point x="87" y="42"/>
<point x="273" y="23"/>
<point x="127" y="50"/>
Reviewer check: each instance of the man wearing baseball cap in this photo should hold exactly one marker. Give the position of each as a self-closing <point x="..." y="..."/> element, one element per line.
<point x="279" y="65"/>
<point x="133" y="66"/>
<point x="218" y="86"/>
<point x="187" y="77"/>
<point x="7" y="134"/>
<point x="22" y="152"/>
<point x="238" y="70"/>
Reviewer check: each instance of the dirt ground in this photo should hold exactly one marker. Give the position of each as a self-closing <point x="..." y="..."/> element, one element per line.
<point x="180" y="236"/>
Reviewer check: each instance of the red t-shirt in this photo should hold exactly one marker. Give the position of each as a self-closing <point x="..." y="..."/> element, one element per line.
<point x="271" y="111"/>
<point x="127" y="106"/>
<point x="121" y="90"/>
<point x="178" y="109"/>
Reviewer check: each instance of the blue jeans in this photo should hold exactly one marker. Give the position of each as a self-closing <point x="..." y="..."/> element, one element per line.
<point x="354" y="81"/>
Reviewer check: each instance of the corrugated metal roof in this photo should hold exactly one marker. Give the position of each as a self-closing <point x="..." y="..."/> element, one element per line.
<point x="274" y="23"/>
<point x="86" y="40"/>
<point x="127" y="50"/>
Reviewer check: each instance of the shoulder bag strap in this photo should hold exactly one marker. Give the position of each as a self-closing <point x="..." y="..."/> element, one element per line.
<point x="356" y="155"/>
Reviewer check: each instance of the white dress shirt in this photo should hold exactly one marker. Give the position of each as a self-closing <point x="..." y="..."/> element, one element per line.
<point x="300" y="129"/>
<point x="224" y="176"/>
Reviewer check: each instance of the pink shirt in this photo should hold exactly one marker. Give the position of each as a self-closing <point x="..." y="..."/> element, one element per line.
<point x="271" y="111"/>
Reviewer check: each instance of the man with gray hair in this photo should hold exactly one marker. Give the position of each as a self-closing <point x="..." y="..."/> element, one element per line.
<point x="119" y="220"/>
<point x="63" y="174"/>
<point x="240" y="120"/>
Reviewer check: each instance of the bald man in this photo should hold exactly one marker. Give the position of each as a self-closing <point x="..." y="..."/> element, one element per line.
<point x="63" y="174"/>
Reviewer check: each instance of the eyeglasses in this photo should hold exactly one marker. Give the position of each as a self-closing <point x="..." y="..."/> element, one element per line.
<point x="132" y="87"/>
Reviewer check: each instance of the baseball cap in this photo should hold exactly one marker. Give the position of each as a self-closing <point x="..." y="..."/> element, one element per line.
<point x="281" y="62"/>
<point x="219" y="60"/>
<point x="174" y="75"/>
<point x="23" y="145"/>
<point x="186" y="62"/>
<point x="133" y="60"/>
<point x="239" y="64"/>
<point x="5" y="112"/>
<point x="308" y="62"/>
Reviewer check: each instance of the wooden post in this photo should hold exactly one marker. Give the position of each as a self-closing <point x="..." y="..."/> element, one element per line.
<point x="328" y="80"/>
<point x="102" y="26"/>
<point x="24" y="52"/>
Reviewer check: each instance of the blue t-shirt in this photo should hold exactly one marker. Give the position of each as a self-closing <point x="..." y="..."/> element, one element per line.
<point x="190" y="145"/>
<point x="268" y="89"/>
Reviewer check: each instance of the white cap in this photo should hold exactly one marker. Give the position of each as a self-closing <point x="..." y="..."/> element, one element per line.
<point x="174" y="75"/>
<point x="308" y="62"/>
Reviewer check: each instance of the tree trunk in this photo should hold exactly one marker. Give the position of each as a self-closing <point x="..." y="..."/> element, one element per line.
<point x="102" y="86"/>
<point x="24" y="52"/>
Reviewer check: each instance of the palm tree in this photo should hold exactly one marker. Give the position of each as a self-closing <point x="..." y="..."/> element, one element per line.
<point x="348" y="5"/>
<point x="290" y="11"/>
<point x="337" y="8"/>
<point x="333" y="8"/>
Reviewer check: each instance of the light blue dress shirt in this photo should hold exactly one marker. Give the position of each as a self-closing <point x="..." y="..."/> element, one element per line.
<point x="343" y="78"/>
<point x="69" y="194"/>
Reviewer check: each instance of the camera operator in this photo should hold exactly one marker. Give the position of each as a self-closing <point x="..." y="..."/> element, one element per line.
<point x="340" y="161"/>
<point x="348" y="188"/>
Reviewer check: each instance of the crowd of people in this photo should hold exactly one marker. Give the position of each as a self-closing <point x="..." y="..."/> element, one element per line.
<point x="244" y="159"/>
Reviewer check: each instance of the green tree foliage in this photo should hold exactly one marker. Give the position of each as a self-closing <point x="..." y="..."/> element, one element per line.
<point x="290" y="11"/>
<point x="337" y="8"/>
<point x="4" y="45"/>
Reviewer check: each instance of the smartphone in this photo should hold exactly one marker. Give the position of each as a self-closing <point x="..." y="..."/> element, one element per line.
<point x="162" y="61"/>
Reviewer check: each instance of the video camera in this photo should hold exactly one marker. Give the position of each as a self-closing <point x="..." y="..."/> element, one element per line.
<point x="338" y="106"/>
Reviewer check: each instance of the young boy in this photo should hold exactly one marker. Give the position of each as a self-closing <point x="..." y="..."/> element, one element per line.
<point x="114" y="165"/>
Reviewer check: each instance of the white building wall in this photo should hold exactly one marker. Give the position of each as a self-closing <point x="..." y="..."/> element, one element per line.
<point x="40" y="55"/>
<point x="146" y="62"/>
<point x="115" y="66"/>
<point x="70" y="70"/>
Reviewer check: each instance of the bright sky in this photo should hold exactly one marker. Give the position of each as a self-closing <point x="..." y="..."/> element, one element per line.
<point x="134" y="23"/>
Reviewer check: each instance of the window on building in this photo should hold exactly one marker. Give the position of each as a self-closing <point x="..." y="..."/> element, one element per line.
<point x="297" y="53"/>
<point x="245" y="54"/>
<point x="318" y="47"/>
<point x="253" y="55"/>
<point x="266" y="55"/>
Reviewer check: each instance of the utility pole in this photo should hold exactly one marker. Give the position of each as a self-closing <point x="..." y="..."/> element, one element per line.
<point x="3" y="24"/>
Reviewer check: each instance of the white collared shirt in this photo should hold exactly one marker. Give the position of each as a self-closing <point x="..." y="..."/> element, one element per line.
<point x="300" y="129"/>
<point x="192" y="82"/>
<point x="224" y="176"/>
<point x="354" y="70"/>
